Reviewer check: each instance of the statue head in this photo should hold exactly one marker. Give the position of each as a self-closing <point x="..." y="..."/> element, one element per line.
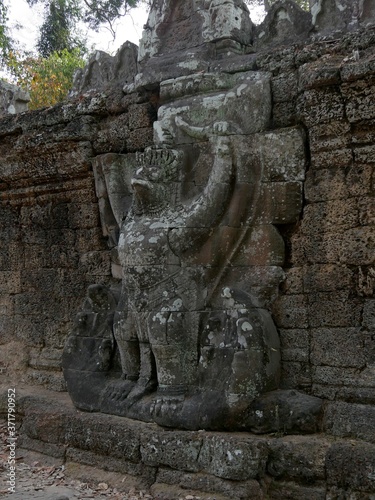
<point x="158" y="173"/>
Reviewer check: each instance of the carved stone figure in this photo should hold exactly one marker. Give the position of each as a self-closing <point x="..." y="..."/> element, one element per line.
<point x="191" y="222"/>
<point x="157" y="325"/>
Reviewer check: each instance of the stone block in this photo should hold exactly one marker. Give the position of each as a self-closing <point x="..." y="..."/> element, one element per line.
<point x="284" y="114"/>
<point x="357" y="70"/>
<point x="281" y="490"/>
<point x="295" y="375"/>
<point x="103" y="435"/>
<point x="366" y="207"/>
<point x="28" y="329"/>
<point x="112" y="136"/>
<point x="87" y="240"/>
<point x="338" y="347"/>
<point x="210" y="484"/>
<point x="364" y="154"/>
<point x="350" y="377"/>
<point x="141" y="115"/>
<point x="357" y="246"/>
<point x="98" y="263"/>
<point x="326" y="278"/>
<point x="284" y="87"/>
<point x="280" y="60"/>
<point x="10" y="282"/>
<point x="233" y="457"/>
<point x="351" y="466"/>
<point x="320" y="74"/>
<point x="334" y="309"/>
<point x="139" y="139"/>
<point x="332" y="158"/>
<point x="281" y="202"/>
<point x="290" y="311"/>
<point x="368" y="317"/>
<point x="330" y="216"/>
<point x="83" y="216"/>
<point x="321" y="106"/>
<point x="262" y="246"/>
<point x="112" y="464"/>
<point x="332" y="135"/>
<point x="299" y="458"/>
<point x="295" y="345"/>
<point x="293" y="282"/>
<point x="317" y="248"/>
<point x="359" y="98"/>
<point x="289" y="163"/>
<point x="326" y="184"/>
<point x="50" y="449"/>
<point x="177" y="450"/>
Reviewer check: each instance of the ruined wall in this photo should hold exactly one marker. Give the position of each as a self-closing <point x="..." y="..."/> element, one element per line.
<point x="52" y="247"/>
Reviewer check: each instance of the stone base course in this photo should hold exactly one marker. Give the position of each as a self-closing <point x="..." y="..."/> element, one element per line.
<point x="220" y="465"/>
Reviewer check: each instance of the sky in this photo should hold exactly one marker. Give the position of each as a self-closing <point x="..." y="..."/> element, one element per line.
<point x="128" y="28"/>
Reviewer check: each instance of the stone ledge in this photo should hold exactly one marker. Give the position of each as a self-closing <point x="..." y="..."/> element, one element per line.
<point x="229" y="465"/>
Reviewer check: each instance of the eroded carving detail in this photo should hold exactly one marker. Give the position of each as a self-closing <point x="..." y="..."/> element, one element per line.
<point x="194" y="345"/>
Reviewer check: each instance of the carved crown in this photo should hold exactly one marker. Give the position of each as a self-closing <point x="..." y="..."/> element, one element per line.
<point x="168" y="160"/>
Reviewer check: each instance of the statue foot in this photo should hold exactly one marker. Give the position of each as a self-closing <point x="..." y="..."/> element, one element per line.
<point x="119" y="390"/>
<point x="166" y="406"/>
<point x="142" y="388"/>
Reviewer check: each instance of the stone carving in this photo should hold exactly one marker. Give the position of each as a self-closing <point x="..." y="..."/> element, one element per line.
<point x="12" y="99"/>
<point x="103" y="70"/>
<point x="285" y="22"/>
<point x="200" y="256"/>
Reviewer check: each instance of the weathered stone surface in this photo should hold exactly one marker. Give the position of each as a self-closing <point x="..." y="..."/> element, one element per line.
<point x="350" y="420"/>
<point x="298" y="457"/>
<point x="174" y="27"/>
<point x="285" y="412"/>
<point x="52" y="248"/>
<point x="211" y="484"/>
<point x="338" y="347"/>
<point x="13" y="99"/>
<point x="293" y="491"/>
<point x="351" y="466"/>
<point x="234" y="458"/>
<point x="285" y="21"/>
<point x="103" y="70"/>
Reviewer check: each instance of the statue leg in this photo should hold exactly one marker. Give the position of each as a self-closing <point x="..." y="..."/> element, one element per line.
<point x="146" y="380"/>
<point x="174" y="341"/>
<point x="124" y="329"/>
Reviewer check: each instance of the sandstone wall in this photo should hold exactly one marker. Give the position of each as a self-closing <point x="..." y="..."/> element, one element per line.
<point x="52" y="246"/>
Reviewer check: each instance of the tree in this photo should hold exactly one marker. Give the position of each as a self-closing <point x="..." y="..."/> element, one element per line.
<point x="59" y="29"/>
<point x="6" y="41"/>
<point x="99" y="12"/>
<point x="48" y="80"/>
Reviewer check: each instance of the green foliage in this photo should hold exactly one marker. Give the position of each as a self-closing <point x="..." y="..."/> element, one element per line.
<point x="59" y="28"/>
<point x="48" y="80"/>
<point x="6" y="41"/>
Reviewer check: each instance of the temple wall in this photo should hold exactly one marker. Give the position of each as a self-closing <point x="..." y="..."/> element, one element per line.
<point x="52" y="247"/>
